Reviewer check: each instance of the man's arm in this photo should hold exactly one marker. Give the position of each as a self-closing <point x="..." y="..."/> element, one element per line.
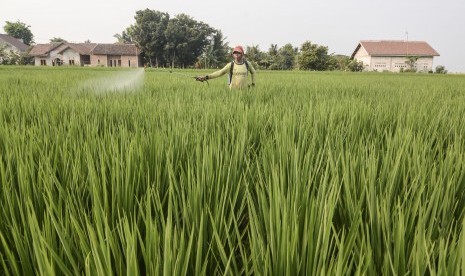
<point x="216" y="74"/>
<point x="219" y="73"/>
<point x="252" y="73"/>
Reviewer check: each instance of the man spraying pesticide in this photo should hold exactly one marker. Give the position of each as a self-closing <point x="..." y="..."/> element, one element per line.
<point x="238" y="71"/>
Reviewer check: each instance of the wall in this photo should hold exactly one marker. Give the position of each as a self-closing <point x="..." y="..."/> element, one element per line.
<point x="425" y="64"/>
<point x="47" y="59"/>
<point x="396" y="64"/>
<point x="362" y="55"/>
<point x="104" y="60"/>
<point x="70" y="54"/>
<point x="94" y="60"/>
<point x="133" y="59"/>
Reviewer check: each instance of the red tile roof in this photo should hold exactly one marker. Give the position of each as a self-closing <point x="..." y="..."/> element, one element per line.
<point x="18" y="44"/>
<point x="396" y="48"/>
<point x="116" y="49"/>
<point x="43" y="49"/>
<point x="81" y="48"/>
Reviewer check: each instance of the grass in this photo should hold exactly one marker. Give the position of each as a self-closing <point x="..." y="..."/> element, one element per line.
<point x="308" y="173"/>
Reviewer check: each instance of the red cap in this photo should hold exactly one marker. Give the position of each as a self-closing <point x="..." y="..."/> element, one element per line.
<point x="238" y="49"/>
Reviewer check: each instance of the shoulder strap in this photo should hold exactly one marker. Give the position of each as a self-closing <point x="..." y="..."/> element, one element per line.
<point x="230" y="72"/>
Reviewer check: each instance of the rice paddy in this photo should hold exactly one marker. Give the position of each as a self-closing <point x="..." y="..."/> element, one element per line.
<point x="125" y="172"/>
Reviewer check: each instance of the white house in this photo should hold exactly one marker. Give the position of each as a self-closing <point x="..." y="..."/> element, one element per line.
<point x="12" y="44"/>
<point x="92" y="54"/>
<point x="392" y="55"/>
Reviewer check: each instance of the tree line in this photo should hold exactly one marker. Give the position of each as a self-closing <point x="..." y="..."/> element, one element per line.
<point x="183" y="42"/>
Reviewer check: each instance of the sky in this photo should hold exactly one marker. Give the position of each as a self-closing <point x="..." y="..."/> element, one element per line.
<point x="337" y="24"/>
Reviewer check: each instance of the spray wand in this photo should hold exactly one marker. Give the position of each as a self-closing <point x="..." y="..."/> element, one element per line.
<point x="181" y="75"/>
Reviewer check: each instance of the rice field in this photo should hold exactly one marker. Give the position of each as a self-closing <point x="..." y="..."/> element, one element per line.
<point x="126" y="172"/>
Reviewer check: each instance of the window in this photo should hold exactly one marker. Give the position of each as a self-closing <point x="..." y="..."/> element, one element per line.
<point x="98" y="61"/>
<point x="129" y="63"/>
<point x="71" y="62"/>
<point x="43" y="62"/>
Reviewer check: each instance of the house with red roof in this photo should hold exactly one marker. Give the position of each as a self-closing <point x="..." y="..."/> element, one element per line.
<point x="393" y="55"/>
<point x="86" y="54"/>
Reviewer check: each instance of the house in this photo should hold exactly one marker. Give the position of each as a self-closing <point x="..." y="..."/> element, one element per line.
<point x="88" y="54"/>
<point x="393" y="55"/>
<point x="12" y="44"/>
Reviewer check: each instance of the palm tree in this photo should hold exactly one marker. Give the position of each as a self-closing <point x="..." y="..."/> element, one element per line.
<point x="411" y="61"/>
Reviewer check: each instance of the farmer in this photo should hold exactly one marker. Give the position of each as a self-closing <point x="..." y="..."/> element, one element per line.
<point x="237" y="69"/>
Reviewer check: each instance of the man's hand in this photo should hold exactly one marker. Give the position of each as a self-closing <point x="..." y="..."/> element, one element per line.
<point x="201" y="78"/>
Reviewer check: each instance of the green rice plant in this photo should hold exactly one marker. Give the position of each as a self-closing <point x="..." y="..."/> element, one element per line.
<point x="110" y="171"/>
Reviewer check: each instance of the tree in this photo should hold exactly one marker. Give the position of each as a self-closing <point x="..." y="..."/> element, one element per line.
<point x="57" y="39"/>
<point x="341" y="62"/>
<point x="270" y="57"/>
<point x="441" y="69"/>
<point x="216" y="52"/>
<point x="256" y="56"/>
<point x="313" y="57"/>
<point x="19" y="30"/>
<point x="186" y="39"/>
<point x="4" y="54"/>
<point x="10" y="57"/>
<point x="273" y="50"/>
<point x="221" y="48"/>
<point x="411" y="62"/>
<point x="148" y="34"/>
<point x="355" y="66"/>
<point x="286" y="56"/>
<point x="344" y="63"/>
<point x="179" y="41"/>
<point x="124" y="37"/>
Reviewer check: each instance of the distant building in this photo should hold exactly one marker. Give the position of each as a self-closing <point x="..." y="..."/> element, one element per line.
<point x="13" y="44"/>
<point x="86" y="54"/>
<point x="392" y="55"/>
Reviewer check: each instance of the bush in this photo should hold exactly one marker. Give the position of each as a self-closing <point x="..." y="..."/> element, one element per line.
<point x="441" y="69"/>
<point x="355" y="66"/>
<point x="10" y="57"/>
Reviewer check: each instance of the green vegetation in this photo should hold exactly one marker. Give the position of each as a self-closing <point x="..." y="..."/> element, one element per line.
<point x="10" y="57"/>
<point x="180" y="41"/>
<point x="309" y="173"/>
<point x="441" y="69"/>
<point x="19" y="30"/>
<point x="184" y="42"/>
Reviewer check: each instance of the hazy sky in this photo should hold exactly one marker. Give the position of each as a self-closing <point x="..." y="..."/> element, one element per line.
<point x="337" y="24"/>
